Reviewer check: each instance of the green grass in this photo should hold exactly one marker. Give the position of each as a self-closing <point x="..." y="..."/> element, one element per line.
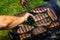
<point x="13" y="7"/>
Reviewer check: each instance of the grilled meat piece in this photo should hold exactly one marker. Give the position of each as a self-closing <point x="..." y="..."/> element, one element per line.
<point x="23" y="29"/>
<point x="48" y="11"/>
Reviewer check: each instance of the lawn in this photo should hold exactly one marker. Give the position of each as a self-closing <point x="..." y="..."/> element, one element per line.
<point x="13" y="7"/>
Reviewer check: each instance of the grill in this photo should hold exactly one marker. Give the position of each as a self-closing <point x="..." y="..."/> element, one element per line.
<point x="45" y="26"/>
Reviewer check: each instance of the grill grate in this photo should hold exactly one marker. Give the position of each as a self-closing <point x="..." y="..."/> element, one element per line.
<point x="45" y="26"/>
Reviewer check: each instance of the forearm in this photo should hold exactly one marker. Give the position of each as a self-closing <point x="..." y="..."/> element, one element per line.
<point x="8" y="22"/>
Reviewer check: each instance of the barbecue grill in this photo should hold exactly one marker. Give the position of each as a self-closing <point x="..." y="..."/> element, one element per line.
<point x="46" y="26"/>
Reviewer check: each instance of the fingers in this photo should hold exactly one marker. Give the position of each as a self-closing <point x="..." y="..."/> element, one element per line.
<point x="33" y="17"/>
